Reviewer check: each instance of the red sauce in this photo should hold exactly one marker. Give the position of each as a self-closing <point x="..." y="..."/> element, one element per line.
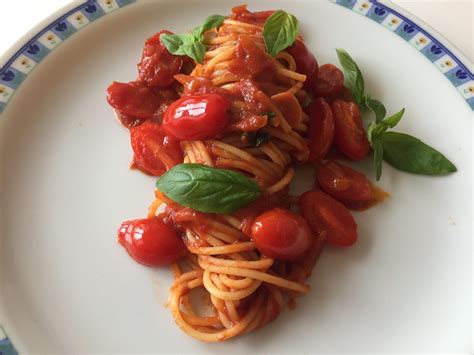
<point x="378" y="196"/>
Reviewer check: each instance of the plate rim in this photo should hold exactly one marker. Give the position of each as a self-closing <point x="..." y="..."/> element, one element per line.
<point x="18" y="48"/>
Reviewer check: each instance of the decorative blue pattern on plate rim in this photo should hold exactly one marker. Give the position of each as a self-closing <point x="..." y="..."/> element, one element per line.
<point x="20" y="64"/>
<point x="434" y="50"/>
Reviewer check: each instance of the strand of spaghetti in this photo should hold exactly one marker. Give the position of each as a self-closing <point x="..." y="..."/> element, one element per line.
<point x="295" y="88"/>
<point x="225" y="79"/>
<point x="218" y="50"/>
<point x="227" y="295"/>
<point x="201" y="321"/>
<point x="236" y="283"/>
<point x="232" y="221"/>
<point x="226" y="249"/>
<point x="184" y="278"/>
<point x="222" y="56"/>
<point x="243" y="24"/>
<point x="274" y="168"/>
<point x="215" y="336"/>
<point x="288" y="137"/>
<point x="188" y="151"/>
<point x="288" y="59"/>
<point x="204" y="153"/>
<point x="258" y="275"/>
<point x="280" y="185"/>
<point x="291" y="74"/>
<point x="245" y="166"/>
<point x="258" y="264"/>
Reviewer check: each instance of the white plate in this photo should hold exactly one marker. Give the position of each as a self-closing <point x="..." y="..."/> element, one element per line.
<point x="68" y="287"/>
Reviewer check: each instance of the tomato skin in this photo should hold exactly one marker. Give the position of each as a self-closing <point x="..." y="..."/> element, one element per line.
<point x="157" y="66"/>
<point x="150" y="241"/>
<point x="133" y="99"/>
<point x="305" y="62"/>
<point x="196" y="117"/>
<point x="328" y="218"/>
<point x="329" y="82"/>
<point x="320" y="129"/>
<point x="281" y="234"/>
<point x="344" y="183"/>
<point x="350" y="136"/>
<point x="154" y="152"/>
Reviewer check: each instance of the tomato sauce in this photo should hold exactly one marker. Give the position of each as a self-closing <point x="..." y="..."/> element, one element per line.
<point x="378" y="196"/>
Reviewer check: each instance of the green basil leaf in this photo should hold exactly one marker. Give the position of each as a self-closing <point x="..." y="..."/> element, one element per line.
<point x="269" y="114"/>
<point x="213" y="21"/>
<point x="195" y="50"/>
<point x="280" y="31"/>
<point x="393" y="120"/>
<point x="352" y="75"/>
<point x="378" y="157"/>
<point x="377" y="108"/>
<point x="207" y="189"/>
<point x="173" y="43"/>
<point x="410" y="154"/>
<point x="256" y="139"/>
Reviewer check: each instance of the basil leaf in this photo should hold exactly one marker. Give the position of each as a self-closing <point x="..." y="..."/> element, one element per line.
<point x="269" y="114"/>
<point x="280" y="31"/>
<point x="256" y="139"/>
<point x="378" y="157"/>
<point x="195" y="50"/>
<point x="213" y="21"/>
<point x="352" y="76"/>
<point x="377" y="108"/>
<point x="191" y="44"/>
<point x="393" y="120"/>
<point x="173" y="43"/>
<point x="207" y="189"/>
<point x="410" y="154"/>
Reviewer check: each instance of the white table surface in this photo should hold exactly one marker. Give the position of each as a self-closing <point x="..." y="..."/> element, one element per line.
<point x="452" y="18"/>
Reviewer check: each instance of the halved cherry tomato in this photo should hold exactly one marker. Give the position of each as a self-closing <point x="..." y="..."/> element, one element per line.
<point x="158" y="66"/>
<point x="344" y="183"/>
<point x="150" y="241"/>
<point x="154" y="152"/>
<point x="281" y="234"/>
<point x="128" y="121"/>
<point x="320" y="129"/>
<point x="197" y="117"/>
<point x="330" y="80"/>
<point x="328" y="218"/>
<point x="350" y="136"/>
<point x="305" y="62"/>
<point x="133" y="99"/>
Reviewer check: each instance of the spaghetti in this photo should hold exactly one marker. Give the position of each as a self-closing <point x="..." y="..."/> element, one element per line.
<point x="265" y="135"/>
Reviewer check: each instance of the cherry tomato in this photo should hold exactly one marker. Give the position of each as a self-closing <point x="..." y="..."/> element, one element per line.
<point x="329" y="218"/>
<point x="154" y="152"/>
<point x="128" y="121"/>
<point x="305" y="62"/>
<point x="133" y="99"/>
<point x="281" y="234"/>
<point x="320" y="129"/>
<point x="196" y="117"/>
<point x="350" y="136"/>
<point x="344" y="183"/>
<point x="158" y="66"/>
<point x="330" y="80"/>
<point x="150" y="241"/>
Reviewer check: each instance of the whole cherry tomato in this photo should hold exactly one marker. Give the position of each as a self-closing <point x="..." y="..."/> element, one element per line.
<point x="150" y="241"/>
<point x="158" y="66"/>
<point x="133" y="99"/>
<point x="153" y="151"/>
<point x="305" y="62"/>
<point x="343" y="183"/>
<point x="281" y="234"/>
<point x="328" y="218"/>
<point x="330" y="80"/>
<point x="350" y="136"/>
<point x="196" y="117"/>
<point x="320" y="129"/>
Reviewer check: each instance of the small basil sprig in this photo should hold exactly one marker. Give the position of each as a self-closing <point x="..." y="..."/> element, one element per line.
<point x="402" y="151"/>
<point x="280" y="31"/>
<point x="207" y="189"/>
<point x="256" y="139"/>
<point x="191" y="44"/>
<point x="355" y="82"/>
